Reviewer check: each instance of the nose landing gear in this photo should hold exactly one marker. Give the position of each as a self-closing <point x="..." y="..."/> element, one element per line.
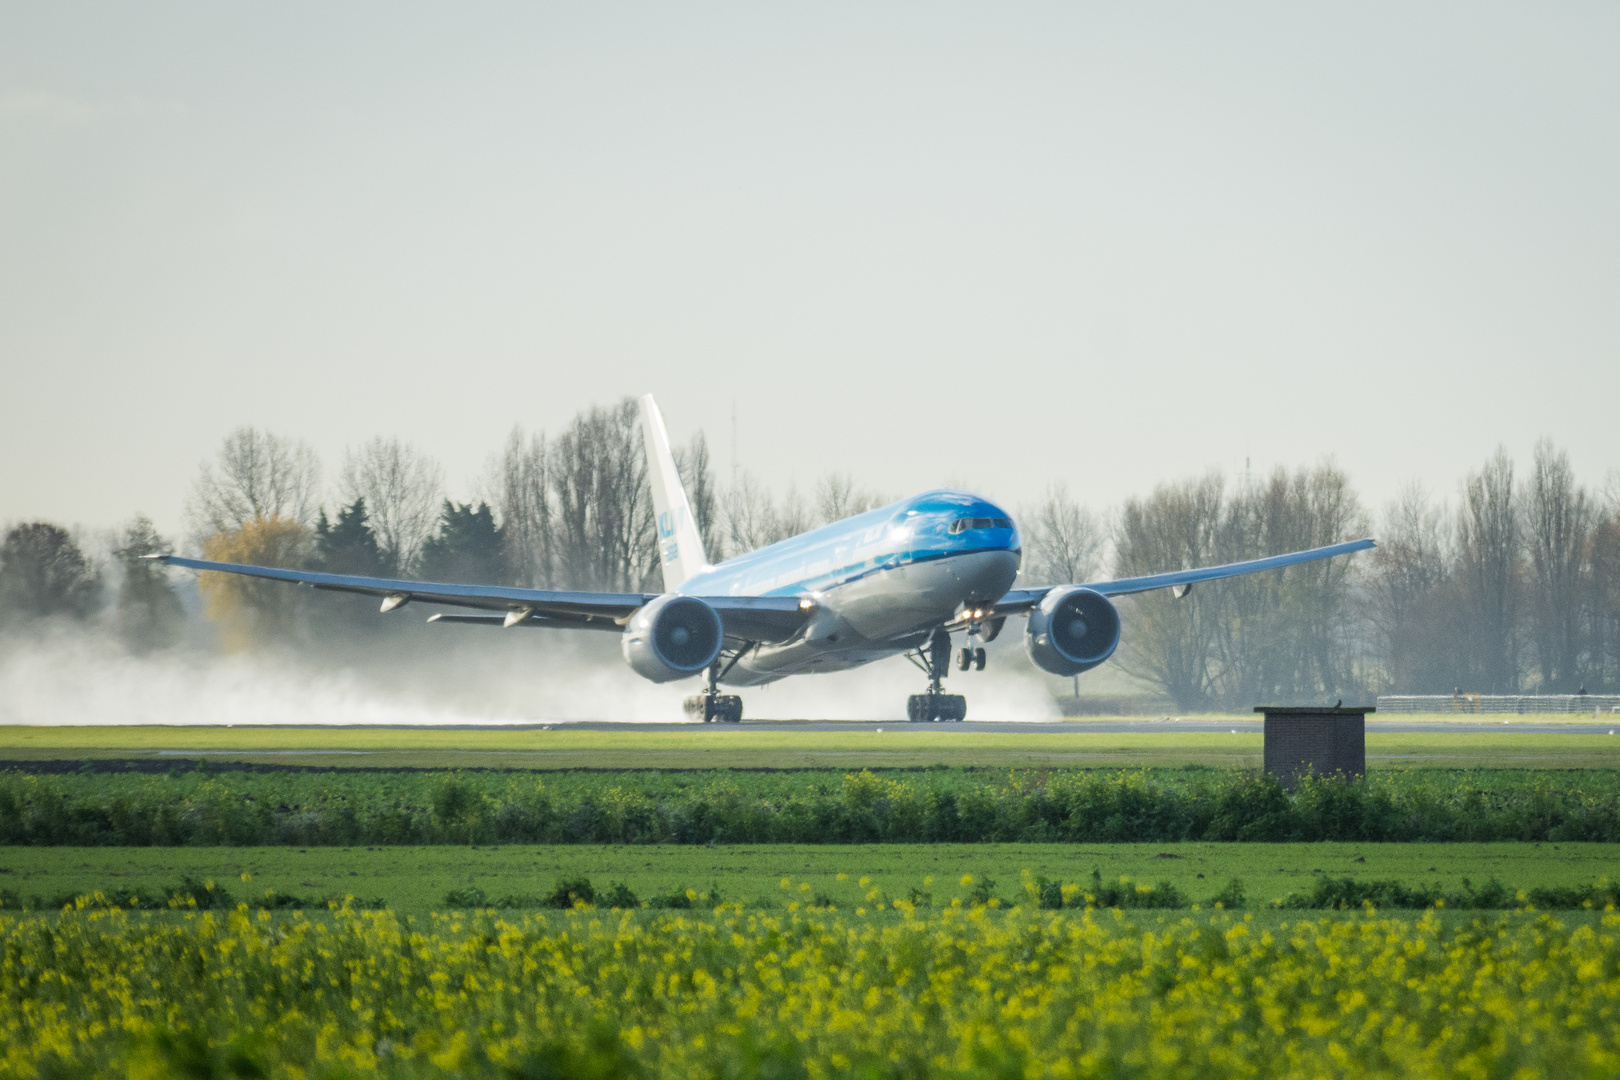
<point x="935" y="704"/>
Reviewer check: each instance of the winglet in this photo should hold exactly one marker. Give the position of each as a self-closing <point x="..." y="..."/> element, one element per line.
<point x="680" y="548"/>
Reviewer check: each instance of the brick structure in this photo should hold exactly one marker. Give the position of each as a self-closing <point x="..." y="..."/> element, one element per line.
<point x="1322" y="739"/>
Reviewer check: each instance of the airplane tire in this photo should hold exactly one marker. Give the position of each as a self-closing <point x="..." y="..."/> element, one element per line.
<point x="978" y="660"/>
<point x="920" y="708"/>
<point x="963" y="659"/>
<point x="952" y="707"/>
<point x="721" y="708"/>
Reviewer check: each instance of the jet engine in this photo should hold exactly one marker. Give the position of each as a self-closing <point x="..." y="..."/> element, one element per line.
<point x="673" y="637"/>
<point x="1073" y="630"/>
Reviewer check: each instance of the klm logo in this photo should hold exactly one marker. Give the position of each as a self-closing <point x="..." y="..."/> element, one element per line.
<point x="672" y="551"/>
<point x="666" y="524"/>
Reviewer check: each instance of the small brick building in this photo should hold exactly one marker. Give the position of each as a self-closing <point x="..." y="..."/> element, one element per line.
<point x="1323" y="739"/>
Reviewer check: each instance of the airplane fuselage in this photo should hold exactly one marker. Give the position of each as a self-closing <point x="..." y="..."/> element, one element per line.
<point x="881" y="581"/>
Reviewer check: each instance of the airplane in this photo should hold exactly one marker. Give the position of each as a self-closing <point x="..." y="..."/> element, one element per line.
<point x="898" y="580"/>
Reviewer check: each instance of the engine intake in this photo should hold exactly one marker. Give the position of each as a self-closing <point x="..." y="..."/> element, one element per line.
<point x="1073" y="630"/>
<point x="673" y="637"/>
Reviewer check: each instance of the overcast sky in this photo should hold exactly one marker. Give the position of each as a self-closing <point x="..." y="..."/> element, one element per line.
<point x="988" y="245"/>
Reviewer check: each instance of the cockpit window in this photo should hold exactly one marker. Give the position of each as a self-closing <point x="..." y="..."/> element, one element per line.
<point x="964" y="524"/>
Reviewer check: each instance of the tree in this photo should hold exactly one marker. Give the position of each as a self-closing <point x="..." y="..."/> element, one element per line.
<point x="401" y="488"/>
<point x="1290" y="633"/>
<point x="1413" y="602"/>
<point x="754" y="520"/>
<point x="603" y="518"/>
<point x="256" y="476"/>
<point x="348" y="546"/>
<point x="1062" y="540"/>
<point x="697" y="477"/>
<point x="521" y="482"/>
<point x="1605" y="601"/>
<point x="1170" y="641"/>
<point x="1272" y="636"/>
<point x="838" y="498"/>
<point x="467" y="548"/>
<point x="1558" y="522"/>
<point x="1489" y="548"/>
<point x="254" y="611"/>
<point x="150" y="615"/>
<point x="43" y="573"/>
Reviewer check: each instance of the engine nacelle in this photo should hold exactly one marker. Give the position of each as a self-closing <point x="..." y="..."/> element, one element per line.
<point x="673" y="637"/>
<point x="1073" y="630"/>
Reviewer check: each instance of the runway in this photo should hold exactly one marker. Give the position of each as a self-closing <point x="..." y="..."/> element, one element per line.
<point x="1081" y="727"/>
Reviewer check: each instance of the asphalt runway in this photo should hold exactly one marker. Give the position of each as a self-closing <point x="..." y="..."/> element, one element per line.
<point x="1058" y="727"/>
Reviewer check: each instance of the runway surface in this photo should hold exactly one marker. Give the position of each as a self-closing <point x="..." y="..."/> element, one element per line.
<point x="1055" y="727"/>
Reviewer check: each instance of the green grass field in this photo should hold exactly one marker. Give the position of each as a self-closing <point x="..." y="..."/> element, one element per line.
<point x="414" y="880"/>
<point x="720" y="746"/>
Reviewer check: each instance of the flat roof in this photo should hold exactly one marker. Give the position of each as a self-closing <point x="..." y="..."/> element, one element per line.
<point x="1315" y="710"/>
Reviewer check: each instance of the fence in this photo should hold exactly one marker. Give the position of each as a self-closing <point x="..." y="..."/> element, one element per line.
<point x="1499" y="703"/>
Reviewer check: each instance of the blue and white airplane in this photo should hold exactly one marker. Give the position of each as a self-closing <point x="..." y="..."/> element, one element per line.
<point x="899" y="580"/>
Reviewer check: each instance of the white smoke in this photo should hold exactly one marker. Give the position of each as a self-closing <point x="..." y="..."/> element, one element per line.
<point x="480" y="676"/>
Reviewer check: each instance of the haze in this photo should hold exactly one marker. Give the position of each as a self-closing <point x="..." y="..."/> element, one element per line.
<point x="993" y="246"/>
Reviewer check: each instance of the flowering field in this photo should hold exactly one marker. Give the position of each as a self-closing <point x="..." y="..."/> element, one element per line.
<point x="883" y="991"/>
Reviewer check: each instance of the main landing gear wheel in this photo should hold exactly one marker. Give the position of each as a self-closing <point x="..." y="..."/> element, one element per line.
<point x="715" y="708"/>
<point x="712" y="706"/>
<point x="935" y="659"/>
<point x="925" y="708"/>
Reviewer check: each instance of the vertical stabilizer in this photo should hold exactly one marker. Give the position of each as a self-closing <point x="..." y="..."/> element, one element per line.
<point x="680" y="548"/>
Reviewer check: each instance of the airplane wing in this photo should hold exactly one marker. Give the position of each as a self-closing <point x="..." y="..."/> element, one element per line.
<point x="1021" y="600"/>
<point x="750" y="618"/>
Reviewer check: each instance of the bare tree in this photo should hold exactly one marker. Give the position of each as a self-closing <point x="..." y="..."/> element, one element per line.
<point x="522" y="497"/>
<point x="697" y="477"/>
<point x="793" y="515"/>
<point x="1558" y="521"/>
<point x="1263" y="637"/>
<point x="750" y="516"/>
<point x="1413" y="608"/>
<point x="256" y="476"/>
<point x="754" y="520"/>
<point x="149" y="612"/>
<point x="1490" y="546"/>
<point x="1062" y="540"/>
<point x="1170" y="641"/>
<point x="838" y="498"/>
<point x="603" y="510"/>
<point x="402" y="488"/>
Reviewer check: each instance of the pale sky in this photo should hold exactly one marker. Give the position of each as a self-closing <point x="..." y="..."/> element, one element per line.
<point x="989" y="245"/>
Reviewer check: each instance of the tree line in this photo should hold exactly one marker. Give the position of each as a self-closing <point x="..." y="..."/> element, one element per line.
<point x="1512" y="586"/>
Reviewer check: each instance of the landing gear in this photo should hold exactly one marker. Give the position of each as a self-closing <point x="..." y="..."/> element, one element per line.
<point x="935" y="660"/>
<point x="712" y="706"/>
<point x="970" y="658"/>
<point x="923" y="708"/>
<point x="715" y="708"/>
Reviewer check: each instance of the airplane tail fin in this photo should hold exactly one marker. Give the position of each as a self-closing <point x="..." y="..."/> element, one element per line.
<point x="680" y="547"/>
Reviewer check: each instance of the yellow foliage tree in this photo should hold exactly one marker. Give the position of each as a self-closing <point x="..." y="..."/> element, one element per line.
<point x="253" y="611"/>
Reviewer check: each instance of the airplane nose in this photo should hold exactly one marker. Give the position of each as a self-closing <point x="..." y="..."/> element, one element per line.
<point x="989" y="574"/>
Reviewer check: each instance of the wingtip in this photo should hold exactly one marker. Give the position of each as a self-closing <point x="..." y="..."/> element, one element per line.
<point x="164" y="557"/>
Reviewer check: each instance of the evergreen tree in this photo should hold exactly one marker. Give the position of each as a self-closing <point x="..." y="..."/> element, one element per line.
<point x="468" y="547"/>
<point x="348" y="546"/>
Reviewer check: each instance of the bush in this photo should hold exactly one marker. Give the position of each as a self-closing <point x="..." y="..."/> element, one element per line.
<point x="570" y="893"/>
<point x="301" y="809"/>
